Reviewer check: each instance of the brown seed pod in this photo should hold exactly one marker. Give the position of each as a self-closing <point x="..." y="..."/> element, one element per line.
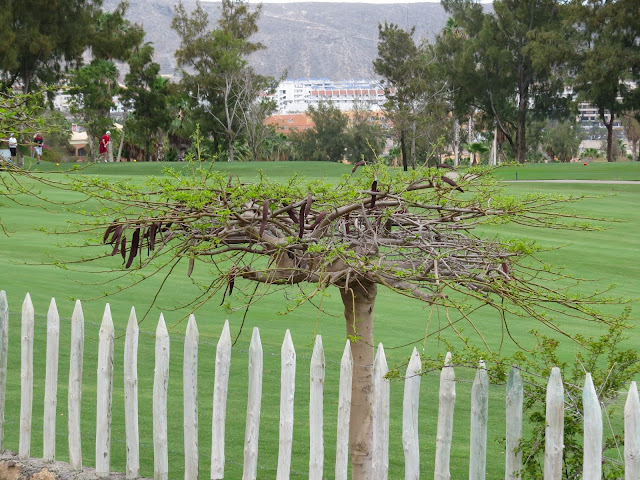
<point x="319" y="218"/>
<point x="452" y="183"/>
<point x="292" y="216"/>
<point x="110" y="229"/>
<point x="444" y="165"/>
<point x="374" y="188"/>
<point x="133" y="251"/>
<point x="191" y="265"/>
<point x="117" y="235"/>
<point x="153" y="229"/>
<point x="123" y="248"/>
<point x="307" y="208"/>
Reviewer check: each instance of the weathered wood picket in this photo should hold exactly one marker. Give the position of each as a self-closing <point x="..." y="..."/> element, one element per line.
<point x="410" y="417"/>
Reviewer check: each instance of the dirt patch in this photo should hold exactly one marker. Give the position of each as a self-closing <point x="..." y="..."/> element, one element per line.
<point x="11" y="468"/>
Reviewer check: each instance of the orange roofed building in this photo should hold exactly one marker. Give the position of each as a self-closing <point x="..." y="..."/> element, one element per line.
<point x="286" y="123"/>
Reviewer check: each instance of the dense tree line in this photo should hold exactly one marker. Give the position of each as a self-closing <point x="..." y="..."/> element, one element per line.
<point x="491" y="75"/>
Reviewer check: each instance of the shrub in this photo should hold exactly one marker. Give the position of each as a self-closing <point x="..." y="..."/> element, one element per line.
<point x="53" y="155"/>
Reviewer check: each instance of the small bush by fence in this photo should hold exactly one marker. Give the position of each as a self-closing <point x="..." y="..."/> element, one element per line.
<point x="106" y="362"/>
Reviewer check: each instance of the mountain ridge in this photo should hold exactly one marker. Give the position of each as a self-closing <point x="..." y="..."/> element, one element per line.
<point x="305" y="39"/>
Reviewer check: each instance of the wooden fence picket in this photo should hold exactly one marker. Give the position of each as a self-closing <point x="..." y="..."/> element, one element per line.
<point x="220" y="389"/>
<point x="26" y="378"/>
<point x="632" y="434"/>
<point x="316" y="411"/>
<point x="190" y="395"/>
<point x="344" y="413"/>
<point x="444" y="434"/>
<point x="131" y="396"/>
<point x="410" y="407"/>
<point x="479" y="422"/>
<point x="4" y="350"/>
<point x="554" y="430"/>
<point x="592" y="459"/>
<point x="514" y="399"/>
<point x="381" y="392"/>
<point x="51" y="384"/>
<point x="160" y="390"/>
<point x="254" y="403"/>
<point x="104" y="395"/>
<point x="287" y="394"/>
<point x="74" y="400"/>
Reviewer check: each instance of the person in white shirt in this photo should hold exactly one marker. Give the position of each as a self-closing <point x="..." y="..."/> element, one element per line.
<point x="13" y="146"/>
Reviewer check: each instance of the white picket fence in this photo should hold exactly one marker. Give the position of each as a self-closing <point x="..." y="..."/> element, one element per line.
<point x="410" y="439"/>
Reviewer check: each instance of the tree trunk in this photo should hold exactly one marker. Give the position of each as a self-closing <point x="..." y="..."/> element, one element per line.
<point x="147" y="148"/>
<point x="403" y="150"/>
<point x="609" y="126"/>
<point x="413" y="145"/>
<point x="124" y="122"/>
<point x="358" y="311"/>
<point x="110" y="151"/>
<point x="634" y="150"/>
<point x="230" y="152"/>
<point x="470" y="139"/>
<point x="456" y="143"/>
<point x="521" y="137"/>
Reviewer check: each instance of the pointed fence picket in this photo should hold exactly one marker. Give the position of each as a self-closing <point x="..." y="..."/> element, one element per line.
<point x="190" y="389"/>
<point x="554" y="433"/>
<point x="316" y="421"/>
<point x="26" y="378"/>
<point x="592" y="459"/>
<point x="479" y="423"/>
<point x="287" y="392"/>
<point x="220" y="390"/>
<point x="632" y="434"/>
<point x="104" y="395"/>
<point x="74" y="399"/>
<point x="381" y="392"/>
<point x="410" y="408"/>
<point x="51" y="384"/>
<point x="131" y="396"/>
<point x="554" y="430"/>
<point x="4" y="351"/>
<point x="254" y="403"/>
<point x="344" y="413"/>
<point x="160" y="391"/>
<point x="514" y="398"/>
<point x="444" y="434"/>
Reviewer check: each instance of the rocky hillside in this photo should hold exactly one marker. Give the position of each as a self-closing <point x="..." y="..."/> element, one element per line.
<point x="307" y="39"/>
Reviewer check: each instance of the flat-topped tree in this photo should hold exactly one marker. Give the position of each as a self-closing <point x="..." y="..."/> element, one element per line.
<point x="411" y="232"/>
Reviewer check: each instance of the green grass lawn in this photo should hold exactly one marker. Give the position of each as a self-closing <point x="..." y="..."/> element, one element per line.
<point x="609" y="256"/>
<point x="571" y="171"/>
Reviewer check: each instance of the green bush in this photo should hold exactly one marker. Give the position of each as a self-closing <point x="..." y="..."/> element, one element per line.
<point x="53" y="155"/>
<point x="171" y="155"/>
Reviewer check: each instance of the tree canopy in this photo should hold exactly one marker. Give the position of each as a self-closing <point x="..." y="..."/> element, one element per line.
<point x="506" y="63"/>
<point x="606" y="53"/>
<point x="37" y="43"/>
<point x="215" y="70"/>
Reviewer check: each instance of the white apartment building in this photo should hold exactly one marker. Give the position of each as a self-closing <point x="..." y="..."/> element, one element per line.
<point x="295" y="96"/>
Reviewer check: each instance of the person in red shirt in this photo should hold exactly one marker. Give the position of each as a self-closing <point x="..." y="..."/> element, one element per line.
<point x="104" y="146"/>
<point x="37" y="143"/>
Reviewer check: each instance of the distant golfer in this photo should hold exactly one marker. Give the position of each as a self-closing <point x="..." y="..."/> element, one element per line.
<point x="38" y="141"/>
<point x="104" y="146"/>
<point x="13" y="146"/>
